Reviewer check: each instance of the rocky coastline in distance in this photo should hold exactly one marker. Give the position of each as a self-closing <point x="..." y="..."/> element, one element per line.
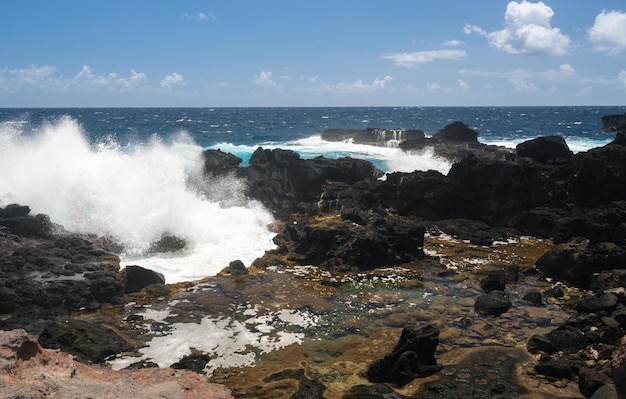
<point x="340" y="216"/>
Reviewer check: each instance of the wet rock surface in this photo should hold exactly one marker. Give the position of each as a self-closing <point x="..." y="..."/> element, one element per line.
<point x="359" y="259"/>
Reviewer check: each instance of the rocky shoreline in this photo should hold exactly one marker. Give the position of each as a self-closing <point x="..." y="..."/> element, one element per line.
<point x="355" y="226"/>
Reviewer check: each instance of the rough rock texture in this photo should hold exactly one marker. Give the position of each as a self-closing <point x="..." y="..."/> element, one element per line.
<point x="457" y="132"/>
<point x="29" y="371"/>
<point x="618" y="364"/>
<point x="614" y="123"/>
<point x="373" y="136"/>
<point x="413" y="356"/>
<point x="45" y="271"/>
<point x="287" y="184"/>
<point x="134" y="278"/>
<point x="353" y="241"/>
<point x="90" y="343"/>
<point x="493" y="303"/>
<point x="548" y="149"/>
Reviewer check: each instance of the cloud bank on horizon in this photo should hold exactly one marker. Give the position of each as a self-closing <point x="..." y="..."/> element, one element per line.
<point x="521" y="53"/>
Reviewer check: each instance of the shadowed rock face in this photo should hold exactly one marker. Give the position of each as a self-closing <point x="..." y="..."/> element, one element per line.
<point x="614" y="123"/>
<point x="41" y="270"/>
<point x="413" y="356"/>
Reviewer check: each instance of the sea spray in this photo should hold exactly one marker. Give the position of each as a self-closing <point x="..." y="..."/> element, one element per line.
<point x="134" y="194"/>
<point x="387" y="159"/>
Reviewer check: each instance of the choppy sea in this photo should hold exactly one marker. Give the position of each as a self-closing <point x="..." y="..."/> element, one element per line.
<point x="122" y="172"/>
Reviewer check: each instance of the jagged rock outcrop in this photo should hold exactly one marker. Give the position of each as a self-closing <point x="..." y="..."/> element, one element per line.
<point x="46" y="271"/>
<point x="456" y="132"/>
<point x="134" y="278"/>
<point x="412" y="357"/>
<point x="287" y="184"/>
<point x="374" y="136"/>
<point x="218" y="163"/>
<point x="355" y="240"/>
<point x="614" y="123"/>
<point x="547" y="149"/>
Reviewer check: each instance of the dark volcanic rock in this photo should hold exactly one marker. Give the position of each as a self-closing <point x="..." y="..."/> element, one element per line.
<point x="456" y="132"/>
<point x="309" y="389"/>
<point x="217" y="163"/>
<point x="558" y="368"/>
<point x="541" y="343"/>
<point x="493" y="281"/>
<point x="534" y="298"/>
<point x="567" y="339"/>
<point x="413" y="356"/>
<point x="287" y="184"/>
<point x="548" y="149"/>
<point x="167" y="243"/>
<point x="90" y="343"/>
<point x="374" y="136"/>
<point x="618" y="366"/>
<point x="590" y="380"/>
<point x="614" y="123"/>
<point x="65" y="272"/>
<point x="135" y="278"/>
<point x="18" y="220"/>
<point x="577" y="260"/>
<point x="598" y="303"/>
<point x="341" y="244"/>
<point x="235" y="268"/>
<point x="194" y="362"/>
<point x="493" y="303"/>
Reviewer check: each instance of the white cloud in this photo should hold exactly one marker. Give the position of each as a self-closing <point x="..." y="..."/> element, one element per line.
<point x="200" y="16"/>
<point x="608" y="33"/>
<point x="463" y="85"/>
<point x="264" y="79"/>
<point x="433" y="86"/>
<point x="622" y="77"/>
<point x="172" y="80"/>
<point x="522" y="84"/>
<point x="360" y="85"/>
<point x="469" y="29"/>
<point x="564" y="73"/>
<point x="34" y="75"/>
<point x="87" y="79"/>
<point x="423" y="57"/>
<point x="527" y="30"/>
<point x="453" y="43"/>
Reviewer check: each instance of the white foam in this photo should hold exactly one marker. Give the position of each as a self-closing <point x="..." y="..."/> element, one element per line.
<point x="229" y="342"/>
<point x="134" y="194"/>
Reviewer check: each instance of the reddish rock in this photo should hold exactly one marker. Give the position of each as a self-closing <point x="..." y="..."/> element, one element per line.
<point x="27" y="370"/>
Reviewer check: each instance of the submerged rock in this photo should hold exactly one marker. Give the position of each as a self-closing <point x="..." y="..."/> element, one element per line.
<point x="494" y="303"/>
<point x="412" y="357"/>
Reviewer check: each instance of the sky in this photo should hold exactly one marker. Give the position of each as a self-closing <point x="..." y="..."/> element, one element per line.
<point x="236" y="53"/>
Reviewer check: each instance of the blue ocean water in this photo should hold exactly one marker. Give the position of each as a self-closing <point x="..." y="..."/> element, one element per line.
<point x="123" y="172"/>
<point x="254" y="126"/>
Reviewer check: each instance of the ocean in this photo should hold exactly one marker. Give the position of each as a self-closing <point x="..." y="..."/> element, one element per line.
<point x="122" y="172"/>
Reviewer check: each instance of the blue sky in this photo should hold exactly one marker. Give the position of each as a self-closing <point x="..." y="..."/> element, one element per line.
<point x="68" y="53"/>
